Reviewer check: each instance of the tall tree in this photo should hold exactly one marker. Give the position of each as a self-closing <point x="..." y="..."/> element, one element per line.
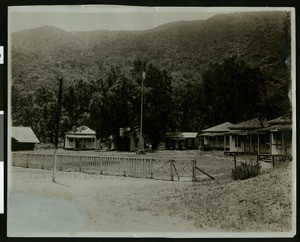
<point x="157" y="100"/>
<point x="232" y="91"/>
<point x="111" y="106"/>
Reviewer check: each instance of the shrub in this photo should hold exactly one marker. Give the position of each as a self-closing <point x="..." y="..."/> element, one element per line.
<point x="245" y="170"/>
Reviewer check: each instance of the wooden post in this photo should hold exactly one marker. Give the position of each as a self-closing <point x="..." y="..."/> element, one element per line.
<point x="151" y="168"/>
<point x="58" y="110"/>
<point x="258" y="144"/>
<point x="79" y="164"/>
<point x="60" y="163"/>
<point x="257" y="158"/>
<point x="54" y="165"/>
<point x="124" y="166"/>
<point x="27" y="161"/>
<point x="194" y="170"/>
<point x="171" y="170"/>
<point x="234" y="159"/>
<point x="273" y="161"/>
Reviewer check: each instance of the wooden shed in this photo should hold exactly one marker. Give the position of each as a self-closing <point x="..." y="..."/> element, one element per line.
<point x="243" y="136"/>
<point x="80" y="138"/>
<point x="182" y="140"/>
<point x="23" y="138"/>
<point x="216" y="137"/>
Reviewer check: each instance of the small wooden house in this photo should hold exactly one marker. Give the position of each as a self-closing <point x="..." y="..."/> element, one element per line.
<point x="23" y="138"/>
<point x="243" y="136"/>
<point x="277" y="138"/>
<point x="80" y="138"/>
<point x="181" y="140"/>
<point x="129" y="140"/>
<point x="215" y="137"/>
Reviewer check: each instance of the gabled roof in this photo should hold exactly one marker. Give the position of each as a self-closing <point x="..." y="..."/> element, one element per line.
<point x="24" y="135"/>
<point x="221" y="128"/>
<point x="128" y="132"/>
<point x="82" y="130"/>
<point x="135" y="132"/>
<point x="255" y="123"/>
<point x="280" y="120"/>
<point x="182" y="135"/>
<point x="275" y="128"/>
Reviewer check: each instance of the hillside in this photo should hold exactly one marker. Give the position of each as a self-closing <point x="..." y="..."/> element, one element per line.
<point x="185" y="49"/>
<point x="190" y="64"/>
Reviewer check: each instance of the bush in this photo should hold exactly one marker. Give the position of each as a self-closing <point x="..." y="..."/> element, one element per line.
<point x="245" y="171"/>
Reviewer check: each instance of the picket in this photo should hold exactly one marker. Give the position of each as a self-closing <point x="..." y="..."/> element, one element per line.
<point x="127" y="166"/>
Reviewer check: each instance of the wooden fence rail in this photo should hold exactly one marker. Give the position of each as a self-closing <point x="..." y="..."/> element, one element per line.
<point x="159" y="168"/>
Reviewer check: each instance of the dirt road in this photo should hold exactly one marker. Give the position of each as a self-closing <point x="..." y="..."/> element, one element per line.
<point x="107" y="203"/>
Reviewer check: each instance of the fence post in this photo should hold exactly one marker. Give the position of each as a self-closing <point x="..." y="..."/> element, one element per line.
<point x="273" y="161"/>
<point x="124" y="166"/>
<point x="79" y="164"/>
<point x="27" y="161"/>
<point x="171" y="170"/>
<point x="151" y="168"/>
<point x="54" y="165"/>
<point x="42" y="161"/>
<point x="257" y="158"/>
<point x="60" y="163"/>
<point x="194" y="170"/>
<point x="234" y="159"/>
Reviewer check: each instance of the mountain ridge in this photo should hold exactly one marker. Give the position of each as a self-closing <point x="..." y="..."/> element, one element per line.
<point x="185" y="48"/>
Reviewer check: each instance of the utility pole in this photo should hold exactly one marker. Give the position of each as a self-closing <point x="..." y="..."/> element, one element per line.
<point x="58" y="111"/>
<point x="141" y="141"/>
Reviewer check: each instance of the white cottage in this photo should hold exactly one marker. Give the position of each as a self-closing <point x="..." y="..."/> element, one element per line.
<point x="277" y="138"/>
<point x="181" y="140"/>
<point x="216" y="137"/>
<point x="80" y="138"/>
<point x="243" y="136"/>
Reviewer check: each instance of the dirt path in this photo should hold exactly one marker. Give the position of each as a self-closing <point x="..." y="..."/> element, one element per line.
<point x="109" y="203"/>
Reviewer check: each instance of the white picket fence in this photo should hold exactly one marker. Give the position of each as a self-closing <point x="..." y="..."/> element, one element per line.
<point x="159" y="168"/>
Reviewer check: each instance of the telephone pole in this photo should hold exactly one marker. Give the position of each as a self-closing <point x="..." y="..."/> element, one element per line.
<point x="141" y="141"/>
<point x="58" y="111"/>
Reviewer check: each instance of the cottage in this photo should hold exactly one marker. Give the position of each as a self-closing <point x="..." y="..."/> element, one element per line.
<point x="182" y="140"/>
<point x="23" y="138"/>
<point x="243" y="136"/>
<point x="80" y="138"/>
<point x="215" y="137"/>
<point x="277" y="138"/>
<point x="129" y="139"/>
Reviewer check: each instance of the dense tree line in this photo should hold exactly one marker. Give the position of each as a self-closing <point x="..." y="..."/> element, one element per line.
<point x="230" y="91"/>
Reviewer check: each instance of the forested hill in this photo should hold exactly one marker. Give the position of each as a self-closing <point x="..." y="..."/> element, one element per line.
<point x="185" y="49"/>
<point x="229" y="68"/>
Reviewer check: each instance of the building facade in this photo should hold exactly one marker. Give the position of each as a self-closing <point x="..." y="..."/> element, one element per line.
<point x="80" y="138"/>
<point x="181" y="140"/>
<point x="216" y="137"/>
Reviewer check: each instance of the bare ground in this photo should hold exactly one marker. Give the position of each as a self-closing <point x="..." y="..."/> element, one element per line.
<point x="123" y="204"/>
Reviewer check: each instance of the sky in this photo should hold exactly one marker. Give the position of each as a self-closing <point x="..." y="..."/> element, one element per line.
<point x="106" y="17"/>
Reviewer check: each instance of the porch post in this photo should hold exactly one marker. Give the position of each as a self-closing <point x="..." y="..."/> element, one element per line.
<point x="271" y="143"/>
<point x="258" y="145"/>
<point x="224" y="143"/>
<point x="250" y="148"/>
<point x="283" y="144"/>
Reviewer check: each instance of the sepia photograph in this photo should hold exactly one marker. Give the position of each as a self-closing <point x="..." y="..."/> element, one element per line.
<point x="131" y="121"/>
